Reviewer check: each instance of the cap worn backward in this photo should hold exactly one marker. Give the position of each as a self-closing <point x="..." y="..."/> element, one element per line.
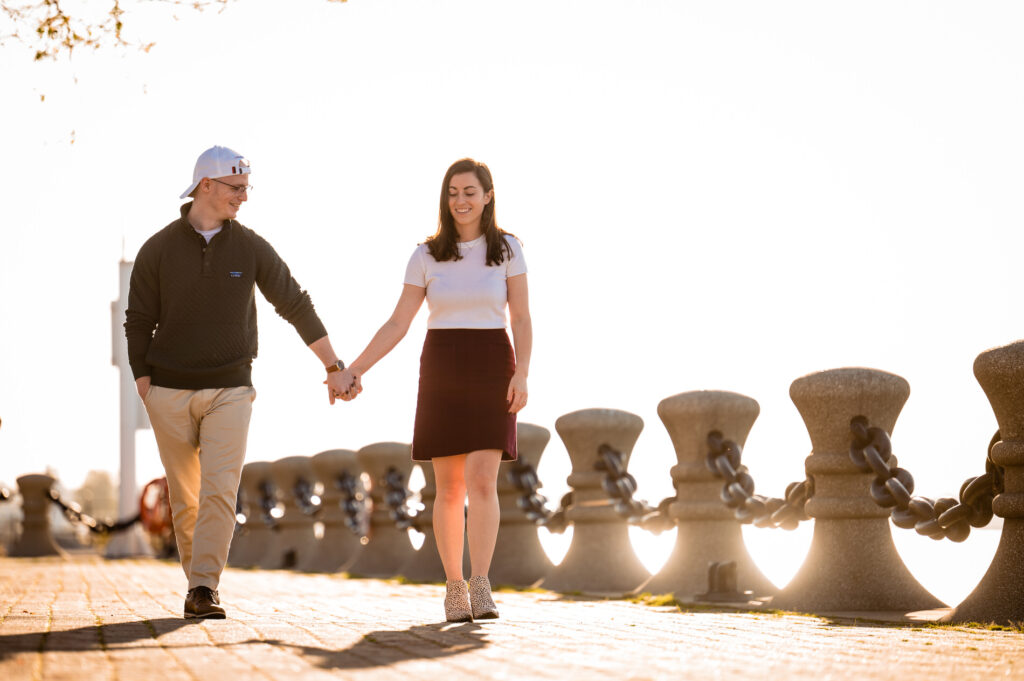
<point x="217" y="162"/>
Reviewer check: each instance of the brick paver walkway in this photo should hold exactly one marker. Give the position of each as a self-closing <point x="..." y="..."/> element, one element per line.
<point x="87" y="618"/>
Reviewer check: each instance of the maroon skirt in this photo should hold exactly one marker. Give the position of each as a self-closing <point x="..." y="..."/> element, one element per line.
<point x="461" y="408"/>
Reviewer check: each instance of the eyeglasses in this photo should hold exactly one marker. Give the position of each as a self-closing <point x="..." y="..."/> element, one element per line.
<point x="238" y="188"/>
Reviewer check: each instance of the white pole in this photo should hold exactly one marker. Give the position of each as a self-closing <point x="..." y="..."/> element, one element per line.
<point x="131" y="542"/>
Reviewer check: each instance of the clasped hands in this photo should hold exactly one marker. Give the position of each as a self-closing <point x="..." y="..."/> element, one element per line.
<point x="343" y="385"/>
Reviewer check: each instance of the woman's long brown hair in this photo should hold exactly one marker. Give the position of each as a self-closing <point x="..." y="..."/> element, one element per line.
<point x="444" y="244"/>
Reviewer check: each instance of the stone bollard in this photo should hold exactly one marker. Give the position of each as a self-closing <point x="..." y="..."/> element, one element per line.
<point x="294" y="540"/>
<point x="852" y="564"/>
<point x="707" y="529"/>
<point x="425" y="565"/>
<point x="999" y="597"/>
<point x="388" y="548"/>
<point x="600" y="558"/>
<point x="340" y="543"/>
<point x="519" y="558"/>
<point x="252" y="539"/>
<point x="35" y="538"/>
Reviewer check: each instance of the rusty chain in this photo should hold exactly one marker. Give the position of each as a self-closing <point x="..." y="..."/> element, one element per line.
<point x="724" y="461"/>
<point x="271" y="509"/>
<point x="892" y="487"/>
<point x="523" y="476"/>
<point x="352" y="503"/>
<point x="73" y="512"/>
<point x="306" y="497"/>
<point x="395" y="497"/>
<point x="620" y="486"/>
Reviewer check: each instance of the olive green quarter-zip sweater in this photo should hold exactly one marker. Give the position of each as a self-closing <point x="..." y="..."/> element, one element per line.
<point x="191" y="317"/>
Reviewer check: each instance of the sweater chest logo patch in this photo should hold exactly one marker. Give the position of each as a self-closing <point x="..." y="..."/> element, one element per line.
<point x="235" y="275"/>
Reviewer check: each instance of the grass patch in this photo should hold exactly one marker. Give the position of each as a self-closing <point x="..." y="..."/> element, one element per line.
<point x="663" y="600"/>
<point x="655" y="600"/>
<point x="402" y="579"/>
<point x="510" y="588"/>
<point x="99" y="633"/>
<point x="1016" y="627"/>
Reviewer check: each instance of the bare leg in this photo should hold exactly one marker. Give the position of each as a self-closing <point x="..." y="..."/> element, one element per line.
<point x="481" y="476"/>
<point x="450" y="513"/>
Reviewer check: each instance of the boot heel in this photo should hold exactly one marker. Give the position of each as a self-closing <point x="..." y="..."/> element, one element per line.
<point x="480" y="595"/>
<point x="456" y="602"/>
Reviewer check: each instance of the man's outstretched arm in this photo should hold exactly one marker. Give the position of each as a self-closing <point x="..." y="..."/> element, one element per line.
<point x="340" y="384"/>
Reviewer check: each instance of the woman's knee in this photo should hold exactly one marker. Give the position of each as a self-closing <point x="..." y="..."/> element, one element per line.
<point x="482" y="487"/>
<point x="450" y="495"/>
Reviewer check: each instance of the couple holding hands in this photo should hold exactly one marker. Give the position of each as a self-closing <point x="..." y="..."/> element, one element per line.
<point x="191" y="332"/>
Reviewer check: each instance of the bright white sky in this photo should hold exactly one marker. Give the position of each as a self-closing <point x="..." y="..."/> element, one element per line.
<point x="712" y="195"/>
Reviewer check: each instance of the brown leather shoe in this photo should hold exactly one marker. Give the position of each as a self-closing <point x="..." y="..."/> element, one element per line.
<point x="202" y="602"/>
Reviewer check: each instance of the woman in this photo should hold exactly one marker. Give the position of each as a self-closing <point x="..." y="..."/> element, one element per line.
<point x="471" y="384"/>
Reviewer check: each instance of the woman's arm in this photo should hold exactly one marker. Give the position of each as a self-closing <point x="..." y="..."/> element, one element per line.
<point x="393" y="330"/>
<point x="522" y="338"/>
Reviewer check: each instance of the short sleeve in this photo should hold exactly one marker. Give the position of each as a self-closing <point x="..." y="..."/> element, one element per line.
<point x="515" y="265"/>
<point x="415" y="272"/>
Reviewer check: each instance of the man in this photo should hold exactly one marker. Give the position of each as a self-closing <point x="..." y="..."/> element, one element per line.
<point x="191" y="330"/>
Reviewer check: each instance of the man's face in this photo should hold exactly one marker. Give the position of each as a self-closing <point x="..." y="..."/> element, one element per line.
<point x="224" y="195"/>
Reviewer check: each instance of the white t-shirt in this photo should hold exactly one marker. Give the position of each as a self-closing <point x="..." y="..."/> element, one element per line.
<point x="209" y="234"/>
<point x="467" y="293"/>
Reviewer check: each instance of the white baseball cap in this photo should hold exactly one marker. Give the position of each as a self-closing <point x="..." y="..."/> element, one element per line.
<point x="217" y="162"/>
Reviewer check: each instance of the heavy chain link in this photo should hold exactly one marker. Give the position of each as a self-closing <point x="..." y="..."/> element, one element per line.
<point x="523" y="476"/>
<point x="620" y="486"/>
<point x="395" y="497"/>
<point x="306" y="497"/>
<point x="723" y="460"/>
<point x="892" y="487"/>
<point x="353" y="502"/>
<point x="271" y="508"/>
<point x="73" y="512"/>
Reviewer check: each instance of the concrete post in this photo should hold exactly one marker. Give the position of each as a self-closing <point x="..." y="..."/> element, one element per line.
<point x="852" y="564"/>
<point x="132" y="541"/>
<point x="36" y="538"/>
<point x="252" y="539"/>
<point x="340" y="544"/>
<point x="519" y="558"/>
<point x="294" y="541"/>
<point x="999" y="597"/>
<point x="600" y="558"/>
<point x="389" y="548"/>
<point x="425" y="565"/>
<point x="707" y="529"/>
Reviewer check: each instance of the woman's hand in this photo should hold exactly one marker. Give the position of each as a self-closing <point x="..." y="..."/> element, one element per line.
<point x="517" y="393"/>
<point x="344" y="385"/>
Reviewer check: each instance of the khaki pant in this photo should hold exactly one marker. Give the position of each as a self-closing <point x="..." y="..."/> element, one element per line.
<point x="201" y="435"/>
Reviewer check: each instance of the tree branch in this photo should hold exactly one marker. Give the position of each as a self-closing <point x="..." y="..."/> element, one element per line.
<point x="50" y="30"/>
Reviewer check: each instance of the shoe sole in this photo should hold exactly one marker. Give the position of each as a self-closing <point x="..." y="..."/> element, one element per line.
<point x="208" y="616"/>
<point x="486" y="616"/>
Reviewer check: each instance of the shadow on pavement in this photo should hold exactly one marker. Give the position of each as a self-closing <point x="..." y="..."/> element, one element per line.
<point x="391" y="646"/>
<point x="668" y="605"/>
<point x="92" y="637"/>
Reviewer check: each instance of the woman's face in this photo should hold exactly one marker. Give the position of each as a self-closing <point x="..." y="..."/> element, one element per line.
<point x="466" y="199"/>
